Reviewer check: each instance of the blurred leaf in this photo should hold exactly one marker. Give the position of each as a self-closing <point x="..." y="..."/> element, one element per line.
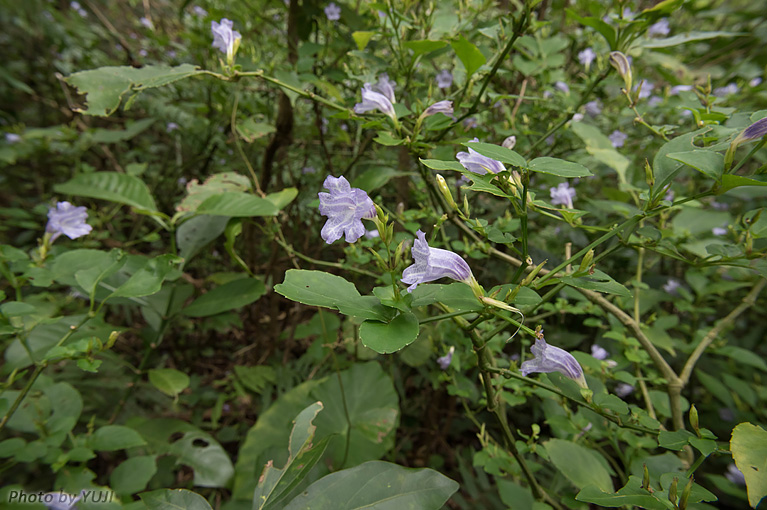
<point x="213" y="185"/>
<point x="112" y="186"/>
<point x="168" y="380"/>
<point x="469" y="54"/>
<point x="582" y="466"/>
<point x="709" y="163"/>
<point x="120" y="135"/>
<point x="685" y="38"/>
<point x="424" y="46"/>
<point x="395" y="487"/>
<point x="133" y="475"/>
<point x="498" y="153"/>
<point x="250" y="130"/>
<point x="559" y="167"/>
<point x="106" y="86"/>
<point x="237" y="204"/>
<point x="174" y="499"/>
<point x="197" y="232"/>
<point x="362" y="39"/>
<point x="749" y="450"/>
<point x="229" y="296"/>
<point x="114" y="437"/>
<point x="372" y="179"/>
<point x="255" y="378"/>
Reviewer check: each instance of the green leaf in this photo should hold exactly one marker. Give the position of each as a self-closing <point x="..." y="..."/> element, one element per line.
<point x="133" y="475"/>
<point x="749" y="450"/>
<point x="664" y="169"/>
<point x="730" y="181"/>
<point x="632" y="495"/>
<point x="424" y="46"/>
<point x="255" y="378"/>
<point x="195" y="233"/>
<point x="115" y="437"/>
<point x="469" y="54"/>
<point x="169" y="380"/>
<point x="115" y="187"/>
<point x="362" y="38"/>
<point x="705" y="446"/>
<point x="250" y="130"/>
<point x="385" y="486"/>
<point x="599" y="281"/>
<point x="559" y="167"/>
<point x="276" y="485"/>
<point x="106" y="86"/>
<point x="385" y="338"/>
<point x="457" y="296"/>
<point x="372" y="179"/>
<point x="174" y="499"/>
<point x="498" y="153"/>
<point x="604" y="29"/>
<point x="237" y="204"/>
<point x="438" y="164"/>
<point x="120" y="135"/>
<point x="581" y="465"/>
<point x="685" y="38"/>
<point x="17" y="309"/>
<point x="317" y="288"/>
<point x="674" y="440"/>
<point x="280" y="199"/>
<point x="386" y="138"/>
<point x="147" y="280"/>
<point x="229" y="296"/>
<point x="743" y="356"/>
<point x="214" y="185"/>
<point x="709" y="163"/>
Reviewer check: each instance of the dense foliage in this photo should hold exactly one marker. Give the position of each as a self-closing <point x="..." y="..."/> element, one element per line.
<point x="468" y="254"/>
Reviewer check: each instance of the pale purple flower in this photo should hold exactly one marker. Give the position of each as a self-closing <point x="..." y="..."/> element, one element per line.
<point x="647" y="87"/>
<point x="444" y="361"/>
<point x="671" y="286"/>
<point x="660" y="28"/>
<point x="378" y="97"/>
<point x="562" y="87"/>
<point x="577" y="117"/>
<point x="78" y="8"/>
<point x="142" y="52"/>
<point x="171" y="54"/>
<point x="444" y="79"/>
<point x="308" y="170"/>
<point x="146" y="22"/>
<point x="224" y="38"/>
<point x="623" y="390"/>
<point x="563" y="194"/>
<point x="627" y="13"/>
<point x="729" y="89"/>
<point x="599" y="352"/>
<point x="171" y="127"/>
<point x="199" y="11"/>
<point x="734" y="475"/>
<point x="593" y="108"/>
<point x="372" y="234"/>
<point x="345" y="207"/>
<point x="546" y="94"/>
<point x="676" y="89"/>
<point x="654" y="101"/>
<point x="182" y="181"/>
<point x="431" y="264"/>
<point x="510" y="142"/>
<point x="755" y="131"/>
<point x="617" y="138"/>
<point x="333" y="12"/>
<point x="469" y="123"/>
<point x="669" y="195"/>
<point x="67" y="219"/>
<point x="475" y="162"/>
<point x="445" y="107"/>
<point x="549" y="358"/>
<point x="12" y="138"/>
<point x="719" y="206"/>
<point x="686" y="113"/>
<point x="755" y="82"/>
<point x="61" y="500"/>
<point x="719" y="231"/>
<point x="586" y="57"/>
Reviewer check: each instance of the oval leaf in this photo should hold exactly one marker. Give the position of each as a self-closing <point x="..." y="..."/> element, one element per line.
<point x="115" y="187"/>
<point x="229" y="296"/>
<point x="169" y="381"/>
<point x="238" y="205"/>
<point x="560" y="167"/>
<point x="386" y="338"/>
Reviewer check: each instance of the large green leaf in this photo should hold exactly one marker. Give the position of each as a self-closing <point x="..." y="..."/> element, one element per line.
<point x="214" y="185"/>
<point x="115" y="437"/>
<point x="469" y="54"/>
<point x="237" y="204"/>
<point x="132" y="475"/>
<point x="276" y="486"/>
<point x="174" y="499"/>
<point x="169" y="380"/>
<point x="581" y="465"/>
<point x="749" y="450"/>
<point x="105" y="87"/>
<point x="317" y="288"/>
<point x="664" y="169"/>
<point x="379" y="485"/>
<point x="424" y="46"/>
<point x="631" y="495"/>
<point x="195" y="233"/>
<point x="229" y="296"/>
<point x="388" y="337"/>
<point x="115" y="187"/>
<point x="709" y="163"/>
<point x="730" y="181"/>
<point x="559" y="167"/>
<point x="148" y="279"/>
<point x="498" y="153"/>
<point x="685" y="38"/>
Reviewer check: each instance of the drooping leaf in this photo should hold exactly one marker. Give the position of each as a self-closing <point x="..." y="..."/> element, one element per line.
<point x="115" y="187"/>
<point x="229" y="296"/>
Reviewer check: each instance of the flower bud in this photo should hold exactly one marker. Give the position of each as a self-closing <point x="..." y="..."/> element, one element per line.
<point x="446" y="192"/>
<point x="685" y="495"/>
<point x="619" y="61"/>
<point x="694" y="420"/>
<point x="510" y="142"/>
<point x="649" y="176"/>
<point x="672" y="491"/>
<point x="587" y="260"/>
<point x="646" y="478"/>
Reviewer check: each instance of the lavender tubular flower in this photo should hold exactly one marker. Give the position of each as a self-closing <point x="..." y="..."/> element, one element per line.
<point x="444" y="361"/>
<point x="623" y="390"/>
<point x="444" y="79"/>
<point x="333" y="12"/>
<point x="617" y="138"/>
<point x="563" y="194"/>
<point x="345" y="207"/>
<point x="510" y="142"/>
<point x="755" y="131"/>
<point x="619" y="61"/>
<point x="445" y="107"/>
<point x="432" y="264"/>
<point x="224" y="38"/>
<point x="378" y="97"/>
<point x="67" y="219"/>
<point x="475" y="162"/>
<point x="553" y="359"/>
<point x="586" y="57"/>
<point x="660" y="28"/>
<point x="599" y="352"/>
<point x="593" y="108"/>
